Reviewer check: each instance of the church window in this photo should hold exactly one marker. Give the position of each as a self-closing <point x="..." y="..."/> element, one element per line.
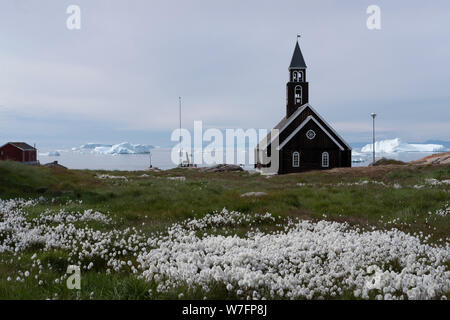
<point x="325" y="160"/>
<point x="296" y="159"/>
<point x="297" y="76"/>
<point x="298" y="94"/>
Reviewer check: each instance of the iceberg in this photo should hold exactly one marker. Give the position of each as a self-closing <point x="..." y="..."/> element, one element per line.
<point x="396" y="145"/>
<point x="121" y="148"/>
<point x="50" y="154"/>
<point x="91" y="146"/>
<point x="356" y="154"/>
<point x="127" y="148"/>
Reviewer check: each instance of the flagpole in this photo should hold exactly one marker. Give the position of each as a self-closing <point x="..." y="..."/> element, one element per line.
<point x="180" y="154"/>
<point x="373" y="115"/>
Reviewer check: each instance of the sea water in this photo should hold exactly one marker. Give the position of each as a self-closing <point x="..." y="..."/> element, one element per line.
<point x="161" y="158"/>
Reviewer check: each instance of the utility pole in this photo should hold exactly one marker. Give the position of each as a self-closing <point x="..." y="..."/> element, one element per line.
<point x="181" y="151"/>
<point x="373" y="115"/>
<point x="150" y="154"/>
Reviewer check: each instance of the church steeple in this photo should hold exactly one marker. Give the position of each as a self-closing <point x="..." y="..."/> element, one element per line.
<point x="297" y="61"/>
<point x="297" y="87"/>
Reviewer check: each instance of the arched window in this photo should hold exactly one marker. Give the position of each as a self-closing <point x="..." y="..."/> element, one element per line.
<point x="298" y="95"/>
<point x="297" y="76"/>
<point x="296" y="159"/>
<point x="325" y="160"/>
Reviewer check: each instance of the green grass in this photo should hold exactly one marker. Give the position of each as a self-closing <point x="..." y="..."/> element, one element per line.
<point x="158" y="202"/>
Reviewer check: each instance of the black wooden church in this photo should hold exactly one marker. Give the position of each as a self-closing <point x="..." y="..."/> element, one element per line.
<point x="305" y="140"/>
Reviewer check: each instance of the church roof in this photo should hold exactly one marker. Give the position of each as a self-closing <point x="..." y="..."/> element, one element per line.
<point x="297" y="59"/>
<point x="20" y="145"/>
<point x="310" y="118"/>
<point x="284" y="123"/>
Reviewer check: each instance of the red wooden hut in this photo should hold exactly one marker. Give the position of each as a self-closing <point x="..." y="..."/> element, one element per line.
<point x="18" y="151"/>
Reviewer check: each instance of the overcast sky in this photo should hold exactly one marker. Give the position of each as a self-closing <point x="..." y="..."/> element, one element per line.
<point x="118" y="78"/>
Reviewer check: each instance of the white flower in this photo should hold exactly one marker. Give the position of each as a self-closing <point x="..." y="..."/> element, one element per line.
<point x="303" y="259"/>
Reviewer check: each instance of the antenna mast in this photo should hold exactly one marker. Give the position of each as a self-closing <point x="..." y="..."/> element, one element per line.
<point x="150" y="154"/>
<point x="181" y="151"/>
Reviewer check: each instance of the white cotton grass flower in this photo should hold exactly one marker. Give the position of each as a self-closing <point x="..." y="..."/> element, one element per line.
<point x="299" y="259"/>
<point x="441" y="212"/>
<point x="107" y="176"/>
<point x="306" y="260"/>
<point x="427" y="184"/>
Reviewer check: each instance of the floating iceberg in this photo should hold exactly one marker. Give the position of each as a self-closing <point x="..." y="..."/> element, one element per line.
<point x="396" y="145"/>
<point x="50" y="154"/>
<point x="91" y="146"/>
<point x="356" y="153"/>
<point x="121" y="148"/>
<point x="128" y="148"/>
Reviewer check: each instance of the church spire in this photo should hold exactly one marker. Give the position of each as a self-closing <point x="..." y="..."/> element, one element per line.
<point x="297" y="61"/>
<point x="297" y="87"/>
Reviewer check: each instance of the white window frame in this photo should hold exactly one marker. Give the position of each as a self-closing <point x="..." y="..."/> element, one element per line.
<point x="294" y="76"/>
<point x="325" y="160"/>
<point x="298" y="99"/>
<point x="296" y="159"/>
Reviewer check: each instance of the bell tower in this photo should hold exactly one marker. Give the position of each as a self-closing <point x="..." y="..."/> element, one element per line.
<point x="297" y="87"/>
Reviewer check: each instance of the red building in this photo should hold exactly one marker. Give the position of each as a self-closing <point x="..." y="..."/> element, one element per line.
<point x="18" y="151"/>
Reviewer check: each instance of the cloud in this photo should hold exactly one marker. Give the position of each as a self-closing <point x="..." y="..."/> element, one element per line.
<point x="126" y="67"/>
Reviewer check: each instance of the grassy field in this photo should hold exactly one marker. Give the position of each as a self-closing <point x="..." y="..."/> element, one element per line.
<point x="382" y="197"/>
